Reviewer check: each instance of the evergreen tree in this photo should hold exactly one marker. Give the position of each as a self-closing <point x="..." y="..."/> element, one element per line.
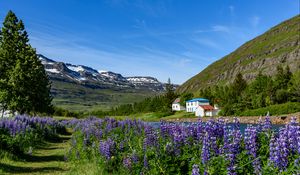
<point x="261" y="91"/>
<point x="11" y="41"/>
<point x="24" y="83"/>
<point x="185" y="97"/>
<point x="239" y="84"/>
<point x="282" y="77"/>
<point x="295" y="87"/>
<point x="169" y="96"/>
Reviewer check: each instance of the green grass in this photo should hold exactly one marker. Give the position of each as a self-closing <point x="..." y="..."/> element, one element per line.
<point x="48" y="158"/>
<point x="80" y="98"/>
<point x="155" y="117"/>
<point x="279" y="109"/>
<point x="282" y="37"/>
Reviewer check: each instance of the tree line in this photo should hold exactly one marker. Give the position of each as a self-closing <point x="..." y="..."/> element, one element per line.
<point x="233" y="98"/>
<point x="263" y="91"/>
<point x="24" y="84"/>
<point x="160" y="104"/>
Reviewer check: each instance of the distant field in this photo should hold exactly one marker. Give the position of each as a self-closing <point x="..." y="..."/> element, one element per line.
<point x="80" y="98"/>
<point x="156" y="116"/>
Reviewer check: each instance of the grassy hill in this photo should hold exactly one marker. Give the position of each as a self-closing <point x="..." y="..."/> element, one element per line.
<point x="278" y="46"/>
<point x="76" y="97"/>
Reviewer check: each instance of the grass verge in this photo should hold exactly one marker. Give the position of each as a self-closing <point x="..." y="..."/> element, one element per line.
<point x="286" y="108"/>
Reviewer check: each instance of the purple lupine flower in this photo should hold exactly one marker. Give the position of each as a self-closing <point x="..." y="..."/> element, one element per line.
<point x="134" y="158"/>
<point x="279" y="151"/>
<point x="236" y="123"/>
<point x="267" y="125"/>
<point x="106" y="148"/>
<point x="127" y="162"/>
<point x="121" y="146"/>
<point x="293" y="130"/>
<point x="205" y="153"/>
<point x="231" y="147"/>
<point x="200" y="130"/>
<point x="252" y="147"/>
<point x="150" y="137"/>
<point x="260" y="124"/>
<point x="195" y="170"/>
<point x="146" y="165"/>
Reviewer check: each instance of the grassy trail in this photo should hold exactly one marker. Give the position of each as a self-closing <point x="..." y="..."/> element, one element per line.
<point x="46" y="159"/>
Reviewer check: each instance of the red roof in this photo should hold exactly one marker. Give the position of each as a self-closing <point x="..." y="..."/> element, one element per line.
<point x="177" y="100"/>
<point x="207" y="107"/>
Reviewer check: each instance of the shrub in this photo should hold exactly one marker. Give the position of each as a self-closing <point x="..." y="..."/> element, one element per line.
<point x="286" y="108"/>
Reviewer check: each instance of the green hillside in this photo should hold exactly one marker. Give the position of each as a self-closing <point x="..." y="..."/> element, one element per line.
<point x="76" y="97"/>
<point x="278" y="46"/>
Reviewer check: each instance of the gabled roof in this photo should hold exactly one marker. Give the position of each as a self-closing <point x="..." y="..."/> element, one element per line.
<point x="204" y="100"/>
<point x="177" y="100"/>
<point x="207" y="107"/>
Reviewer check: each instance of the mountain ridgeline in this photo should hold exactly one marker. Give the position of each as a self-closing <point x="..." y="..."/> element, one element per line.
<point x="92" y="78"/>
<point x="79" y="87"/>
<point x="279" y="46"/>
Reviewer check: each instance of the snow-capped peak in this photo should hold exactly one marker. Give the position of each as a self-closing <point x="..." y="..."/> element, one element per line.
<point x="102" y="71"/>
<point x="60" y="71"/>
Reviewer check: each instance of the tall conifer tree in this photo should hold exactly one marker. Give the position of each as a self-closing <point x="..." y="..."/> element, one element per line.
<point x="24" y="83"/>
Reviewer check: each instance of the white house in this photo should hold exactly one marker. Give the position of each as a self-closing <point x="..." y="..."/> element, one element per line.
<point x="206" y="110"/>
<point x="191" y="105"/>
<point x="176" y="105"/>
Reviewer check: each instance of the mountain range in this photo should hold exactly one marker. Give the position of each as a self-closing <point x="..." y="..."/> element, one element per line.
<point x="89" y="77"/>
<point x="79" y="87"/>
<point x="279" y="46"/>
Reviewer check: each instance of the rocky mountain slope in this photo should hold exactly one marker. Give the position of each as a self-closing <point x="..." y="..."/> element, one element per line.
<point x="278" y="46"/>
<point x="92" y="78"/>
<point x="81" y="88"/>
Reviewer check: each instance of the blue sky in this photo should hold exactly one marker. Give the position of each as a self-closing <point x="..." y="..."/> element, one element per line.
<point x="162" y="38"/>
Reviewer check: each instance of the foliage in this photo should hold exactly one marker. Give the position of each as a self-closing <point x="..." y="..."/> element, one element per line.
<point x="160" y="104"/>
<point x="24" y="83"/>
<point x="278" y="109"/>
<point x="272" y="46"/>
<point x="81" y="98"/>
<point x="264" y="91"/>
<point x="214" y="147"/>
<point x="185" y="97"/>
<point x="21" y="134"/>
<point x="65" y="113"/>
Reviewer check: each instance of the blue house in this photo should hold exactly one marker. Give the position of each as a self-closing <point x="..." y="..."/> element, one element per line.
<point x="191" y="105"/>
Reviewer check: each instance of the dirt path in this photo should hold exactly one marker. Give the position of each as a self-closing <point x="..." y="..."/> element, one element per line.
<point x="46" y="159"/>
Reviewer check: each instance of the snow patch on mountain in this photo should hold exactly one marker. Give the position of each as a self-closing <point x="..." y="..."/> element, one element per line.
<point x="55" y="71"/>
<point x="87" y="76"/>
<point x="142" y="80"/>
<point x="75" y="68"/>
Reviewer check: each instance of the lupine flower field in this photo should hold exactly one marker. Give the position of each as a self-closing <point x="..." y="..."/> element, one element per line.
<point x="21" y="134"/>
<point x="214" y="147"/>
<point x="135" y="147"/>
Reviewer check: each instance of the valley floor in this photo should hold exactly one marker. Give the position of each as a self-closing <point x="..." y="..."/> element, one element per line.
<point x="46" y="159"/>
<point x="183" y="116"/>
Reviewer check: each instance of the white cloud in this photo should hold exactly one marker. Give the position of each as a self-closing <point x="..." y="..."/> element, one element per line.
<point x="231" y="9"/>
<point x="207" y="42"/>
<point x="184" y="61"/>
<point x="255" y="20"/>
<point x="220" y="28"/>
<point x="140" y="24"/>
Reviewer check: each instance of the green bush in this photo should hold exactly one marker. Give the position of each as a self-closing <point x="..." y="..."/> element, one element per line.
<point x="163" y="114"/>
<point x="286" y="108"/>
